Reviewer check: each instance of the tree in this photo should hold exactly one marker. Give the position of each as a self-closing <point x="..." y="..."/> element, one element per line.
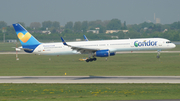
<point x="84" y="26"/>
<point x="145" y="24"/>
<point x="175" y="25"/>
<point x="105" y="23"/>
<point x="77" y="26"/>
<point x="67" y="31"/>
<point x="132" y="34"/>
<point x="35" y="25"/>
<point x="125" y="27"/>
<point x="102" y="29"/>
<point x="46" y="24"/>
<point x="3" y="24"/>
<point x="69" y="25"/>
<point x="121" y="35"/>
<point x="94" y="24"/>
<point x="114" y="24"/>
<point x="56" y="24"/>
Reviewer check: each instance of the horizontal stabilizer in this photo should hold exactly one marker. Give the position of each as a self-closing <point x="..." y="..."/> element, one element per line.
<point x="20" y="48"/>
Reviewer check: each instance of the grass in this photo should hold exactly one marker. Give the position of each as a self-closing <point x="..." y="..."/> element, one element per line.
<point x="7" y="47"/>
<point x="88" y="92"/>
<point x="142" y="64"/>
<point x="119" y="65"/>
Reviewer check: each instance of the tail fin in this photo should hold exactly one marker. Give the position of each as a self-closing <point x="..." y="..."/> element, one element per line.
<point x="26" y="39"/>
<point x="24" y="36"/>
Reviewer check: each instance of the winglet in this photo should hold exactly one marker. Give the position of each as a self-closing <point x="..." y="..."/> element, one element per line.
<point x="85" y="38"/>
<point x="63" y="41"/>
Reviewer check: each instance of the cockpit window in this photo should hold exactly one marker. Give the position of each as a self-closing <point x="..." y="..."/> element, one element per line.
<point x="168" y="42"/>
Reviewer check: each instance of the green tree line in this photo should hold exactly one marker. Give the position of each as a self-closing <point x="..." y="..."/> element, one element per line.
<point x="74" y="30"/>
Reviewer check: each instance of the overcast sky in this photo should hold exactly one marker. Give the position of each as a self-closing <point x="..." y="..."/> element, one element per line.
<point x="131" y="11"/>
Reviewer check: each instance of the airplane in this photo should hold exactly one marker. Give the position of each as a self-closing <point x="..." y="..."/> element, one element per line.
<point x="102" y="48"/>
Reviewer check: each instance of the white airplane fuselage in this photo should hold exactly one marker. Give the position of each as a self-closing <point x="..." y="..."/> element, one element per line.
<point x="112" y="45"/>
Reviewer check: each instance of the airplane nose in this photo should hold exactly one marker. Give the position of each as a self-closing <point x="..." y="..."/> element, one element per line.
<point x="174" y="45"/>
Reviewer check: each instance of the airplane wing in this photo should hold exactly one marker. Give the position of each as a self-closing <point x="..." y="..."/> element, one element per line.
<point x="80" y="49"/>
<point x="84" y="49"/>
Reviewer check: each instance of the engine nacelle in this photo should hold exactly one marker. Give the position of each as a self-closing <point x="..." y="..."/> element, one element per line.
<point x="104" y="53"/>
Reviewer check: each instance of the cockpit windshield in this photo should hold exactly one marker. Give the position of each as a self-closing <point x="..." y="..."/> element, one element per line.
<point x="168" y="41"/>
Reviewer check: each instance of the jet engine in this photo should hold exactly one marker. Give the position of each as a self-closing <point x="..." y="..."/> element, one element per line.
<point x="104" y="53"/>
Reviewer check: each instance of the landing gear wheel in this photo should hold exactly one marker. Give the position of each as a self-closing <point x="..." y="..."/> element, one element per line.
<point x="94" y="59"/>
<point x="90" y="59"/>
<point x="87" y="60"/>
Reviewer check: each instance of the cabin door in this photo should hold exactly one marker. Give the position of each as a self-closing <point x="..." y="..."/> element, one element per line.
<point x="159" y="43"/>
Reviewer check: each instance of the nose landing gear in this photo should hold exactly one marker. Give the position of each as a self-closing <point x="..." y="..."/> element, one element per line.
<point x="158" y="54"/>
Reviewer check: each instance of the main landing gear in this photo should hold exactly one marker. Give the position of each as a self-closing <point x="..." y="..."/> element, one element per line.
<point x="91" y="59"/>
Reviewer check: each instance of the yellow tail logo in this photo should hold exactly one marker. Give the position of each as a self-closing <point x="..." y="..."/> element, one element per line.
<point x="24" y="38"/>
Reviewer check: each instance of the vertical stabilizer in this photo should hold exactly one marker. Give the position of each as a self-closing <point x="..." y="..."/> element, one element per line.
<point x="26" y="39"/>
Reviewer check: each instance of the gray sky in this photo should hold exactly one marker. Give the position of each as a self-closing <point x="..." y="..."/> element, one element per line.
<point x="131" y="11"/>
